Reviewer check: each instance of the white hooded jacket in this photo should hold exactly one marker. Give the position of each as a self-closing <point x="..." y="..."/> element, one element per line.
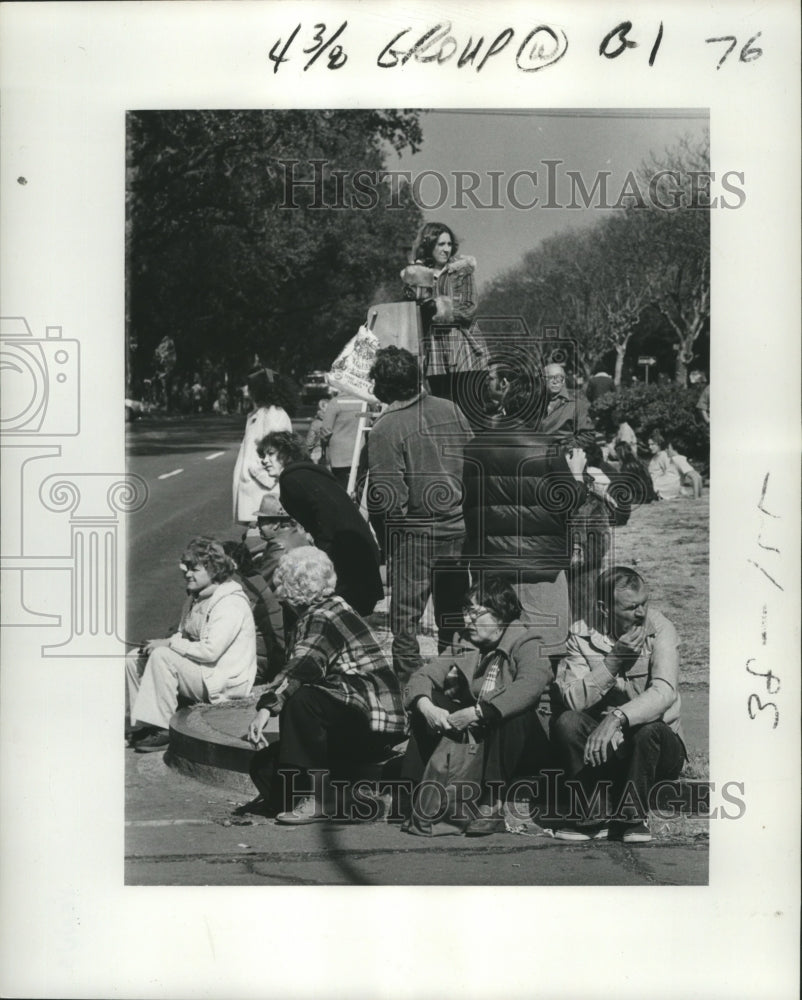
<point x="227" y="642"/>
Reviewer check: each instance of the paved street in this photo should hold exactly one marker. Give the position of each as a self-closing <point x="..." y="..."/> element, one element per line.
<point x="187" y="464"/>
<point x="180" y="831"/>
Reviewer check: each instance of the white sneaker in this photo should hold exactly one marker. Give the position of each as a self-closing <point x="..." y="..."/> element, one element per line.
<point x="636" y="833"/>
<point x="580" y="834"/>
<point x="308" y="810"/>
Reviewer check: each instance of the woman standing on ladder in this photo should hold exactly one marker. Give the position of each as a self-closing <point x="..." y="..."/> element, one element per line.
<point x="454" y="354"/>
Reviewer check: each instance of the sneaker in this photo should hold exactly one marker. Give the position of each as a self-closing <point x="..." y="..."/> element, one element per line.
<point x="580" y="834"/>
<point x="157" y="739"/>
<point x="308" y="810"/>
<point x="636" y="833"/>
<point x="484" y="826"/>
<point x="490" y="820"/>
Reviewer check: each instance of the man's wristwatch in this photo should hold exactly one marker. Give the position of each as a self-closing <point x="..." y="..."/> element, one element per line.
<point x="478" y="709"/>
<point x="623" y="720"/>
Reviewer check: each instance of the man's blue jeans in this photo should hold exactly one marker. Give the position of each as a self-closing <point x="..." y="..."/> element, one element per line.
<point x="420" y="567"/>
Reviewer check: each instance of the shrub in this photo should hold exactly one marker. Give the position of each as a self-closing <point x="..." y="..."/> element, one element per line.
<point x="670" y="408"/>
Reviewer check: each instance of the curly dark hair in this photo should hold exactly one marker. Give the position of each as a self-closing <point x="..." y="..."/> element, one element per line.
<point x="497" y="595"/>
<point x="289" y="447"/>
<point x="395" y="373"/>
<point x="628" y="459"/>
<point x="427" y="238"/>
<point x="269" y="388"/>
<point x="209" y="553"/>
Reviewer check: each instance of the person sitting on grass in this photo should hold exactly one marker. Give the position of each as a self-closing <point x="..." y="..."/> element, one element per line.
<point x="337" y="696"/>
<point x="494" y="689"/>
<point x="620" y="731"/>
<point x="632" y="484"/>
<point x="665" y="476"/>
<point x="689" y="477"/>
<point x="210" y="658"/>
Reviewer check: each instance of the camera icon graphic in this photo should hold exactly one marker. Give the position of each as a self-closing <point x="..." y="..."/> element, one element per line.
<point x="40" y="381"/>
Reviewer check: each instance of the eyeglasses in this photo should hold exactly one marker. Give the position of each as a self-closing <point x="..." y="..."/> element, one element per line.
<point x="473" y="614"/>
<point x="555" y="378"/>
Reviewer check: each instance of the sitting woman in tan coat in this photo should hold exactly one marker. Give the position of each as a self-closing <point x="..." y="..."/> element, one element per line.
<point x="493" y="689"/>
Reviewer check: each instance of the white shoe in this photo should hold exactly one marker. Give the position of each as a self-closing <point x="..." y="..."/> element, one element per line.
<point x="579" y="834"/>
<point x="308" y="810"/>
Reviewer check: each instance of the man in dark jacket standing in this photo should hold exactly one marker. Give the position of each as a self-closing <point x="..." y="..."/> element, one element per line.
<point x="415" y="502"/>
<point x="519" y="491"/>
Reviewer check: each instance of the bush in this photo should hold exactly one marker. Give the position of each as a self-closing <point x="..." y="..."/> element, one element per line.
<point x="670" y="408"/>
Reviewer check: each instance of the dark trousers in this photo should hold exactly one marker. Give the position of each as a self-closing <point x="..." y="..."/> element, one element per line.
<point x="316" y="731"/>
<point x="650" y="753"/>
<point x="507" y="746"/>
<point x="421" y="567"/>
<point x="342" y="473"/>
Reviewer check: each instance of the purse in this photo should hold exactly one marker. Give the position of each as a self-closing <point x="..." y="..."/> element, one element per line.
<point x="440" y="803"/>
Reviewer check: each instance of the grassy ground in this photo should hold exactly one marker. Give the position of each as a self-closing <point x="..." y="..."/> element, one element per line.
<point x="669" y="544"/>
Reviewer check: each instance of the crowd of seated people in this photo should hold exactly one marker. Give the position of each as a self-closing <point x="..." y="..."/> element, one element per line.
<point x="498" y="518"/>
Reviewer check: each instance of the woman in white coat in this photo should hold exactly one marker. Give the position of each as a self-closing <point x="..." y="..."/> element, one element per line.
<point x="251" y="482"/>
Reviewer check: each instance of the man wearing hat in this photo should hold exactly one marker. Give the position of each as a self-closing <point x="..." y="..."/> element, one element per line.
<point x="278" y="534"/>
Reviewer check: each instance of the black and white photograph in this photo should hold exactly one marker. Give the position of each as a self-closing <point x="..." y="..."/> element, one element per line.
<point x="450" y="369"/>
<point x="400" y="439"/>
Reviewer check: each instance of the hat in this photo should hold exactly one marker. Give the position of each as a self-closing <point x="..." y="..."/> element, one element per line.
<point x="270" y="507"/>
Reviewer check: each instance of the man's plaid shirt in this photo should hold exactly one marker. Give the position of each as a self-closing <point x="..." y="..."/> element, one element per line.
<point x="333" y="648"/>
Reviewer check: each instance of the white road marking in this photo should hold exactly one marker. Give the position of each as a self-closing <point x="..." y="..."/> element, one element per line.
<point x="175" y="472"/>
<point x="214" y="454"/>
<point x="169" y="822"/>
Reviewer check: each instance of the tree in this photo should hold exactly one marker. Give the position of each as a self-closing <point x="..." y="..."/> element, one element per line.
<point x="679" y="243"/>
<point x="622" y="283"/>
<point x="590" y="282"/>
<point x="223" y="260"/>
<point x="552" y="287"/>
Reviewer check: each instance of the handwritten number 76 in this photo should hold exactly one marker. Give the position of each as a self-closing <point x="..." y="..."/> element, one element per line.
<point x="748" y="53"/>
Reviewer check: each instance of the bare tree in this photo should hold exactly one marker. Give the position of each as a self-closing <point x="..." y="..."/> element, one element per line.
<point x="622" y="281"/>
<point x="679" y="243"/>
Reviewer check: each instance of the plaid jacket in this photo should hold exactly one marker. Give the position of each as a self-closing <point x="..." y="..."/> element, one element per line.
<point x="453" y="343"/>
<point x="332" y="647"/>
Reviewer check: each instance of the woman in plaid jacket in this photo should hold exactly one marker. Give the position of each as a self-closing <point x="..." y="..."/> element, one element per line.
<point x="337" y="690"/>
<point x="443" y="282"/>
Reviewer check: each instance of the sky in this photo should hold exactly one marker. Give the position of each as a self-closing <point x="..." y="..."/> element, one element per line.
<point x="508" y="141"/>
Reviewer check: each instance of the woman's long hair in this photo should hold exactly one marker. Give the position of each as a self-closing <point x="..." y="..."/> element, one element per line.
<point x="426" y="241"/>
<point x="269" y="388"/>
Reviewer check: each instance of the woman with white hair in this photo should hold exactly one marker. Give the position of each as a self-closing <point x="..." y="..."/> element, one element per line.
<point x="337" y="691"/>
